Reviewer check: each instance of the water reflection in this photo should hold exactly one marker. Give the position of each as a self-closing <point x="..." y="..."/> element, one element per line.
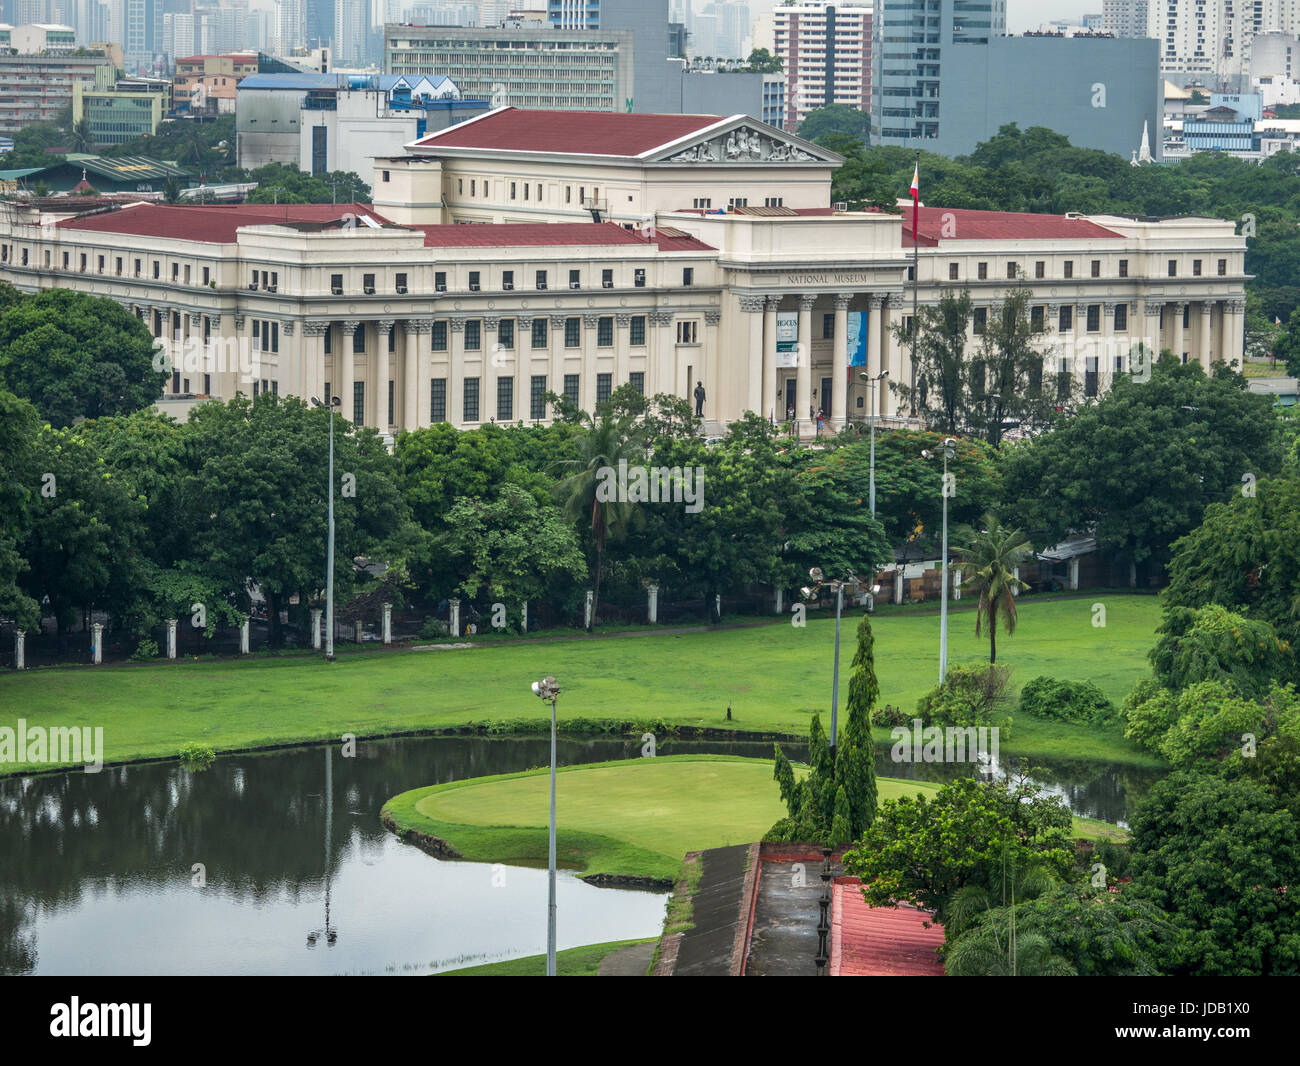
<point x="97" y="871"/>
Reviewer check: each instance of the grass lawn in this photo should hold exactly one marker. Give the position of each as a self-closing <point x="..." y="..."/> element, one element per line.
<point x="772" y="676"/>
<point x="634" y="817"/>
<point x="573" y="962"/>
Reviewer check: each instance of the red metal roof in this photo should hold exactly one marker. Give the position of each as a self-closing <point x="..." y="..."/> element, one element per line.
<point x="943" y="223"/>
<point x="880" y="941"/>
<point x="549" y="234"/>
<point x="604" y="133"/>
<point x="209" y="223"/>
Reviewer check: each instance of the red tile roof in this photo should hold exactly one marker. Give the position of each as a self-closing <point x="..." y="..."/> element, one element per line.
<point x="942" y="223"/>
<point x="603" y="133"/>
<point x="210" y="224"/>
<point x="550" y="234"/>
<point x="880" y="941"/>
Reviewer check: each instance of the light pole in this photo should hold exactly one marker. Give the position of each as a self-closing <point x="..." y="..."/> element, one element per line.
<point x="548" y="689"/>
<point x="870" y="380"/>
<point x="838" y="588"/>
<point x="334" y="402"/>
<point x="949" y="452"/>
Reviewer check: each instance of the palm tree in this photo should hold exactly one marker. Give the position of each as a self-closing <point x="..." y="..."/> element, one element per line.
<point x="583" y="490"/>
<point x="993" y="556"/>
<point x="83" y="137"/>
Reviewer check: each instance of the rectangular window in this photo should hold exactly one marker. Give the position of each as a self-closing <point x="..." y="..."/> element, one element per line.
<point x="506" y="333"/>
<point x="440" y="281"/>
<point x="329" y="332"/>
<point x="688" y="276"/>
<point x="537" y="397"/>
<point x="637" y="378"/>
<point x="603" y="384"/>
<point x="368" y="284"/>
<point x="176" y="382"/>
<point x="117" y="264"/>
<point x="606" y="279"/>
<point x="207" y="275"/>
<point x="359" y="340"/>
<point x="471" y="400"/>
<point x="1096" y="268"/>
<point x="336" y="284"/>
<point x="980" y="319"/>
<point x="1012" y="269"/>
<point x="527" y="187"/>
<point x="507" y="279"/>
<point x="438" y="400"/>
<point x="358" y="403"/>
<point x="1069" y="268"/>
<point x="1121" y="317"/>
<point x="474" y="281"/>
<point x="1223" y="268"/>
<point x="473" y="335"/>
<point x="1040" y="268"/>
<point x="575" y="279"/>
<point x="605" y="332"/>
<point x="571" y="388"/>
<point x="473" y="187"/>
<point x="952" y="271"/>
<point x="702" y="203"/>
<point x="207" y="385"/>
<point x="1123" y="268"/>
<point x="440" y="336"/>
<point x="982" y="272"/>
<point x="636" y="331"/>
<point x="1094" y="318"/>
<point x="400" y="284"/>
<point x="828" y="326"/>
<point x="514" y="195"/>
<point x="100" y="260"/>
<point x="572" y="332"/>
<point x="1090" y="376"/>
<point x="1173" y="268"/>
<point x="539" y="333"/>
<point x="686" y="332"/>
<point x="505" y="399"/>
<point x="1196" y="268"/>
<point x="1036" y="317"/>
<point x="176" y="272"/>
<point x="541" y="279"/>
<point x="157" y="272"/>
<point x="638" y="277"/>
<point x="1066" y="319"/>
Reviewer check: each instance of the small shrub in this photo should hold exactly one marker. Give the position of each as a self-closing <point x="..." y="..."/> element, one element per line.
<point x="434" y="628"/>
<point x="195" y="756"/>
<point x="1066" y="701"/>
<point x="144" y="651"/>
<point x="971" y="694"/>
<point x="889" y="716"/>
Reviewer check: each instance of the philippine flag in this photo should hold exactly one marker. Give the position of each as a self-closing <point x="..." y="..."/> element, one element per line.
<point x="916" y="199"/>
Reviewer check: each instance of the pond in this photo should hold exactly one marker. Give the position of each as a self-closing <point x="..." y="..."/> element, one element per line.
<point x="100" y="873"/>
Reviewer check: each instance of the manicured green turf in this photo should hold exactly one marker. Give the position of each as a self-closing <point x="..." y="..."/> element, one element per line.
<point x="573" y="962"/>
<point x="773" y="677"/>
<point x="635" y="817"/>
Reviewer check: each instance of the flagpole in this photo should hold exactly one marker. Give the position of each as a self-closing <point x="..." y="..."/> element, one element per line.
<point x="916" y="268"/>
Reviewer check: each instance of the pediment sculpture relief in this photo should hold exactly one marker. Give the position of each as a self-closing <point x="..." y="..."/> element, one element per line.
<point x="742" y="145"/>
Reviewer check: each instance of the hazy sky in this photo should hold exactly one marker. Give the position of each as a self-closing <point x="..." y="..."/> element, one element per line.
<point x="1028" y="14"/>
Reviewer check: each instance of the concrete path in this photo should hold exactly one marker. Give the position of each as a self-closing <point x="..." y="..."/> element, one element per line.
<point x="631" y="961"/>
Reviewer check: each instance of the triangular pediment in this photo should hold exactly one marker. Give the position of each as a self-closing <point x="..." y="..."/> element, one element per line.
<point x="743" y="140"/>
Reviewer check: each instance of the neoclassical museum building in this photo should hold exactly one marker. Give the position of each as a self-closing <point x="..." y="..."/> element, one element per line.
<point x="523" y="252"/>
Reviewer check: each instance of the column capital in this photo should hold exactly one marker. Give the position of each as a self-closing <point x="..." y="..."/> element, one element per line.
<point x="417" y="325"/>
<point x="385" y="324"/>
<point x="753" y="303"/>
<point x="196" y="319"/>
<point x="806" y="302"/>
<point x="490" y="322"/>
<point x="1152" y="308"/>
<point x="239" y="322"/>
<point x="623" y="318"/>
<point x="315" y="328"/>
<point x="773" y="302"/>
<point x="286" y="327"/>
<point x="1108" y="308"/>
<point x="557" y="321"/>
<point x="661" y="318"/>
<point x="1236" y="307"/>
<point x="842" y="300"/>
<point x="1180" y="306"/>
<point x="712" y="316"/>
<point x="591" y="321"/>
<point x="525" y="321"/>
<point x="872" y="300"/>
<point x="350" y="326"/>
<point x="457" y="323"/>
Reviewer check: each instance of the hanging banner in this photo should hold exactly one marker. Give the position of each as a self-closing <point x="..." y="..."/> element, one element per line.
<point x="857" y="339"/>
<point x="787" y="338"/>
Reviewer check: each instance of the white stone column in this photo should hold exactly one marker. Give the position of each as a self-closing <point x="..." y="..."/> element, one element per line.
<point x="1074" y="574"/>
<point x="315" y="628"/>
<point x="171" y="638"/>
<point x="20" y="650"/>
<point x="1015" y="589"/>
<point x="874" y="349"/>
<point x="1152" y="334"/>
<point x="1234" y="345"/>
<point x="412" y="342"/>
<point x="388" y="623"/>
<point x="97" y="642"/>
<point x="346" y="361"/>
<point x="245" y="636"/>
<point x="456" y="372"/>
<point x="771" y="402"/>
<point x="1176" y="344"/>
<point x="381" y="376"/>
<point x="652" y="603"/>
<point x="587" y="618"/>
<point x="1207" y="353"/>
<point x="312" y="349"/>
<point x="840" y="363"/>
<point x="523" y="617"/>
<point x="898" y="585"/>
<point x="779" y="602"/>
<point x="803" y="374"/>
<point x="454" y="604"/>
